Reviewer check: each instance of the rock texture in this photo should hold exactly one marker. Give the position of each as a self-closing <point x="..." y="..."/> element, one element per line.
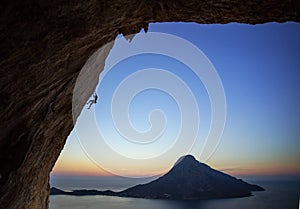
<point x="44" y="45"/>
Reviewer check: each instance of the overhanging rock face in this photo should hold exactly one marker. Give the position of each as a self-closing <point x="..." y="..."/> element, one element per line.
<point x="43" y="47"/>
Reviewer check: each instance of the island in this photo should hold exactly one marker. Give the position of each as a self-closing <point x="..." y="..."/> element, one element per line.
<point x="187" y="179"/>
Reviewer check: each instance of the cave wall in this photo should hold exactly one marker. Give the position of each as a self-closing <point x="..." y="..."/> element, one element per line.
<point x="43" y="47"/>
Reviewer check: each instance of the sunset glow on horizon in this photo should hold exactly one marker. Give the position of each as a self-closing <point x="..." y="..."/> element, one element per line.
<point x="82" y="166"/>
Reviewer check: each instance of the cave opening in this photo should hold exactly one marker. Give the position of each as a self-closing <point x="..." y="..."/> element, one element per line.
<point x="43" y="49"/>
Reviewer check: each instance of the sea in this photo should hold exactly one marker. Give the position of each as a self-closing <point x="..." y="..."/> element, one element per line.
<point x="281" y="193"/>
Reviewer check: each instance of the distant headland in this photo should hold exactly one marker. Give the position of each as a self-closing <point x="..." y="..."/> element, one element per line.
<point x="188" y="179"/>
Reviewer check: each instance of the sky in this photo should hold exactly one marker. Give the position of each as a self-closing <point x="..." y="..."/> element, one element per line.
<point x="228" y="94"/>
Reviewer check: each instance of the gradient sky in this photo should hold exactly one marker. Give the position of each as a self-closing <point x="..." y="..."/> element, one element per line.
<point x="259" y="67"/>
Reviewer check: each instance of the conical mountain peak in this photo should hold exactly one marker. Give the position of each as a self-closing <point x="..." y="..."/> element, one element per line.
<point x="188" y="163"/>
<point x="186" y="159"/>
<point x="190" y="179"/>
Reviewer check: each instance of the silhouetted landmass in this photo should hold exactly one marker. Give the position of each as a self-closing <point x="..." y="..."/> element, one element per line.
<point x="81" y="192"/>
<point x="55" y="191"/>
<point x="188" y="179"/>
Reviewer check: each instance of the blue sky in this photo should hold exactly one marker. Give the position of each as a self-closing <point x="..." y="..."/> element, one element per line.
<point x="259" y="69"/>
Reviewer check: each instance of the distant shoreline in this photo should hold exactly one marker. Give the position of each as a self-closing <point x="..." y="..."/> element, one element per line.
<point x="92" y="192"/>
<point x="187" y="179"/>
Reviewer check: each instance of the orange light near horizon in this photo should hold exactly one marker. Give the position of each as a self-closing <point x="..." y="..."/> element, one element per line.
<point x="80" y="165"/>
<point x="100" y="172"/>
<point x="78" y="173"/>
<point x="85" y="167"/>
<point x="271" y="170"/>
<point x="90" y="169"/>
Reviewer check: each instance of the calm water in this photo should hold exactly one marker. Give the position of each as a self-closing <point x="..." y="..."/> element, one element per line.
<point x="279" y="194"/>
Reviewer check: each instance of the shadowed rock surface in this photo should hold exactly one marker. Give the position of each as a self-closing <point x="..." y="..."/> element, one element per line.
<point x="43" y="47"/>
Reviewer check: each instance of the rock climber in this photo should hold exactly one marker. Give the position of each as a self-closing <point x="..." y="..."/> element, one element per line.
<point x="92" y="101"/>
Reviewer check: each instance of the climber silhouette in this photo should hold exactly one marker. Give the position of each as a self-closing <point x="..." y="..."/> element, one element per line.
<point x="92" y="101"/>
